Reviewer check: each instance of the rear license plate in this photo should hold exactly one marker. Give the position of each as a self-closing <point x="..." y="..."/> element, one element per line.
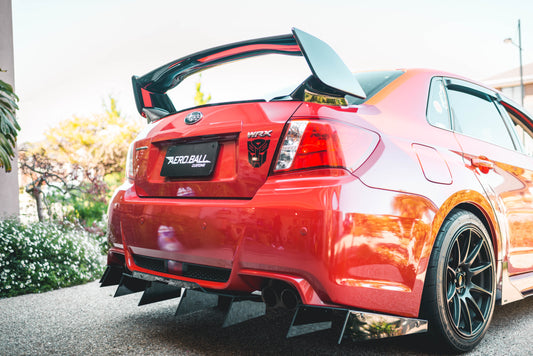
<point x="190" y="160"/>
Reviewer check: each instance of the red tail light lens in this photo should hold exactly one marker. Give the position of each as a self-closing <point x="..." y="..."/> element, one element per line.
<point x="322" y="143"/>
<point x="319" y="147"/>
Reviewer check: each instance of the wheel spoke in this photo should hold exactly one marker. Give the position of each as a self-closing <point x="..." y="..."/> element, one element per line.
<point x="466" y="316"/>
<point x="478" y="269"/>
<point x="466" y="247"/>
<point x="451" y="271"/>
<point x="458" y="261"/>
<point x="456" y="309"/>
<point x="451" y="292"/>
<point x="477" y="289"/>
<point x="475" y="252"/>
<point x="475" y="308"/>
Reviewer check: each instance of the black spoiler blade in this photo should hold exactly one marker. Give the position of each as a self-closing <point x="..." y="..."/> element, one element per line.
<point x="150" y="89"/>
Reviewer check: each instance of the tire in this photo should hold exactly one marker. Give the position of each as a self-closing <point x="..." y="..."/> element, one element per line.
<point x="460" y="287"/>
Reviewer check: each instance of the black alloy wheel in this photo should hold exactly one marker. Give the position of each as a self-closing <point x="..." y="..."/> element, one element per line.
<point x="460" y="287"/>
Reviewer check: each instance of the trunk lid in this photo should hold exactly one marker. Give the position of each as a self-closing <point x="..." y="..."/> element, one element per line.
<point x="227" y="153"/>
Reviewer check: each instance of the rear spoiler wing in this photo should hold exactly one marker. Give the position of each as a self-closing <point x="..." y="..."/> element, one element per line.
<point x="150" y="89"/>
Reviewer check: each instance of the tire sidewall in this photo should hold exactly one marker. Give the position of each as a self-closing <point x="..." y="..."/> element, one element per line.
<point x="446" y="238"/>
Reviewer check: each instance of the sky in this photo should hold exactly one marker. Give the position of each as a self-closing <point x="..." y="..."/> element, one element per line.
<point x="72" y="55"/>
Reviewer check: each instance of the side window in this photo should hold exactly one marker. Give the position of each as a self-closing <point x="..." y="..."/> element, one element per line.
<point x="523" y="133"/>
<point x="478" y="117"/>
<point x="437" y="110"/>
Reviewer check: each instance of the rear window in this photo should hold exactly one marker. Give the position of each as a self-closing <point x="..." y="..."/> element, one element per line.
<point x="265" y="78"/>
<point x="257" y="78"/>
<point x="373" y="82"/>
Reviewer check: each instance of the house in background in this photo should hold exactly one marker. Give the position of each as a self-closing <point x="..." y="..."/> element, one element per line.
<point x="509" y="84"/>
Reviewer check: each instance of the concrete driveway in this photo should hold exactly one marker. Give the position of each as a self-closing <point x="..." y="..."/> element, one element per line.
<point x="87" y="320"/>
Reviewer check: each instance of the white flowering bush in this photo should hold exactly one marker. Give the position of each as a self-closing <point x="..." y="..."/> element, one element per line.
<point x="43" y="256"/>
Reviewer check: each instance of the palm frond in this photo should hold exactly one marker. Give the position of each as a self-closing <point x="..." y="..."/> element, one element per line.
<point x="9" y="126"/>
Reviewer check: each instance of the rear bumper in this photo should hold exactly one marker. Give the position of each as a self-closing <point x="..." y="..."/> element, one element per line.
<point x="337" y="241"/>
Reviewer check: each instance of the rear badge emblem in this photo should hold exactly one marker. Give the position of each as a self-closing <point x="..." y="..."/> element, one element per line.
<point x="257" y="152"/>
<point x="255" y="134"/>
<point x="193" y="117"/>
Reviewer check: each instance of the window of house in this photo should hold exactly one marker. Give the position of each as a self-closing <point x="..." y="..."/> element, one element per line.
<point x="515" y="93"/>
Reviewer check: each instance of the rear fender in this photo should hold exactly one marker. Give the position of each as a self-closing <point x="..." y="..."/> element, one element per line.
<point x="478" y="204"/>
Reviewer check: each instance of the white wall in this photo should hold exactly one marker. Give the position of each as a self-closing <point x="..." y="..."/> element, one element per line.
<point x="9" y="193"/>
<point x="514" y="93"/>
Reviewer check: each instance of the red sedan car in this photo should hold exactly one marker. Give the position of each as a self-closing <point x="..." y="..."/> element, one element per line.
<point x="379" y="203"/>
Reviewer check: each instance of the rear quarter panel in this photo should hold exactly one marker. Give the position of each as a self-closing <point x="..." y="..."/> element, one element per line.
<point x="398" y="113"/>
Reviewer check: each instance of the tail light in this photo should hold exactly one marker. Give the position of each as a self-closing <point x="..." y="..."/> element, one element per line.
<point x="324" y="143"/>
<point x="129" y="164"/>
<point x="130" y="170"/>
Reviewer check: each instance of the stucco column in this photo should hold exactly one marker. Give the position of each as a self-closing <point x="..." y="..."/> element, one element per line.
<point x="9" y="187"/>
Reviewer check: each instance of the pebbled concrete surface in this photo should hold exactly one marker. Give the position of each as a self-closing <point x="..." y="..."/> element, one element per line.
<point x="87" y="320"/>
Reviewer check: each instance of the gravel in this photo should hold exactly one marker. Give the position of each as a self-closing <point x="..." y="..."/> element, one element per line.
<point x="87" y="319"/>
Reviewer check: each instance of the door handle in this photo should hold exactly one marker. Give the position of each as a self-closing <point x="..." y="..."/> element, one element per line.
<point x="482" y="163"/>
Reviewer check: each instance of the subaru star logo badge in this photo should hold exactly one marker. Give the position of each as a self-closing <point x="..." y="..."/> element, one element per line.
<point x="193" y="117"/>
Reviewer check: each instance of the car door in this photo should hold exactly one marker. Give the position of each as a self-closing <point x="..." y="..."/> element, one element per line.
<point x="521" y="241"/>
<point x="492" y="150"/>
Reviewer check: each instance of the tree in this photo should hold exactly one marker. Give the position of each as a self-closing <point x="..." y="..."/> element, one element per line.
<point x="199" y="97"/>
<point x="99" y="142"/>
<point x="78" y="164"/>
<point x="41" y="173"/>
<point x="8" y="124"/>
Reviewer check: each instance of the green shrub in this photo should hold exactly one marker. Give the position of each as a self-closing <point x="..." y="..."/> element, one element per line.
<point x="83" y="206"/>
<point x="43" y="256"/>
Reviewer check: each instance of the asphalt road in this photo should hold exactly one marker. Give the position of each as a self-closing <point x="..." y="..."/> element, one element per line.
<point x="88" y="320"/>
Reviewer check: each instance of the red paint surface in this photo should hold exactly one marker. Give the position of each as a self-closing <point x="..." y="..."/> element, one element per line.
<point x="359" y="238"/>
<point x="147" y="100"/>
